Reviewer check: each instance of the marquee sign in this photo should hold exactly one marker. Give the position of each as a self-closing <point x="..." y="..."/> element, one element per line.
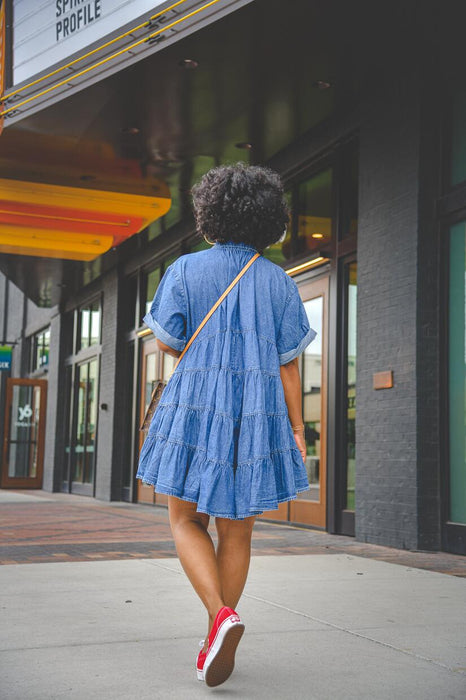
<point x="46" y="33"/>
<point x="62" y="46"/>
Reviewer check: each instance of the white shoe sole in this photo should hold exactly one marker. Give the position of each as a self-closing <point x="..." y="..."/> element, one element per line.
<point x="220" y="660"/>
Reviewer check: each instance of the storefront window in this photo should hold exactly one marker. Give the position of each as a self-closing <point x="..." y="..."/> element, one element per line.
<point x="457" y="373"/>
<point x="350" y="390"/>
<point x="89" y="325"/>
<point x="40" y="346"/>
<point x="153" y="280"/>
<point x="314" y="212"/>
<point x="282" y="251"/>
<point x="311" y="377"/>
<point x="85" y="432"/>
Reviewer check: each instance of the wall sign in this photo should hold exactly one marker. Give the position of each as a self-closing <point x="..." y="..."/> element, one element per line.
<point x="2" y="53"/>
<point x="5" y="358"/>
<point x="45" y="33"/>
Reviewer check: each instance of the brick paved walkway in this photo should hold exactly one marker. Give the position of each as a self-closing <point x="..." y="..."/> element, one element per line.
<point x="61" y="527"/>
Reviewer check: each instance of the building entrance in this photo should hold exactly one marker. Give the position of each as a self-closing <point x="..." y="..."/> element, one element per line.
<point x="156" y="366"/>
<point x="310" y="506"/>
<point x="23" y="448"/>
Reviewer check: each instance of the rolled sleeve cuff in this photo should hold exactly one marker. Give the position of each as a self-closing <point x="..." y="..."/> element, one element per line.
<point x="162" y="334"/>
<point x="286" y="357"/>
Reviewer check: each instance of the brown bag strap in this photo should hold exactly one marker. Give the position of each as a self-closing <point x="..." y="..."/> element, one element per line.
<point x="215" y="306"/>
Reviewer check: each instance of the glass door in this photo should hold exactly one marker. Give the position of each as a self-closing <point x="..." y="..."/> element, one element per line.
<point x="149" y="377"/>
<point x="23" y="448"/>
<point x="84" y="432"/>
<point x="310" y="506"/>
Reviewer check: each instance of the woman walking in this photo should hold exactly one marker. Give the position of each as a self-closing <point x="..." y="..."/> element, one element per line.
<point x="227" y="438"/>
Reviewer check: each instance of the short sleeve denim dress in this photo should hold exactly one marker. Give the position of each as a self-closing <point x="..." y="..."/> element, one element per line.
<point x="220" y="436"/>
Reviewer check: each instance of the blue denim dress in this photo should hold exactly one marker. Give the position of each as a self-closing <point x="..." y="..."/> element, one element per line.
<point x="220" y="436"/>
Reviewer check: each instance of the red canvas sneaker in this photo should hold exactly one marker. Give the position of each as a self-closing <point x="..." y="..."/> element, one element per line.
<point x="224" y="637"/>
<point x="201" y="661"/>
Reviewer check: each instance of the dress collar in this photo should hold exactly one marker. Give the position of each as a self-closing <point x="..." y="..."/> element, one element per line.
<point x="231" y="245"/>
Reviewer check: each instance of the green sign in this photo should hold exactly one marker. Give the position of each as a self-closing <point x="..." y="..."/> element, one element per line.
<point x="5" y="358"/>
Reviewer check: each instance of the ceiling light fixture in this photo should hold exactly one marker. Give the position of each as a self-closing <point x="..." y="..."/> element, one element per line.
<point x="188" y="64"/>
<point x="322" y="84"/>
<point x="316" y="259"/>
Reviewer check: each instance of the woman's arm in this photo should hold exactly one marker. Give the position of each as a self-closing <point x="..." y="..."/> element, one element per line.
<point x="291" y="381"/>
<point x="167" y="349"/>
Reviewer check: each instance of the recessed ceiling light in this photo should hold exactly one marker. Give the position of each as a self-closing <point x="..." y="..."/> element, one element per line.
<point x="244" y="144"/>
<point x="317" y="235"/>
<point x="188" y="63"/>
<point x="322" y="84"/>
<point x="133" y="130"/>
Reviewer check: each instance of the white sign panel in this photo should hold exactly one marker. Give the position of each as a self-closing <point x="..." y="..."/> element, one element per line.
<point x="46" y="32"/>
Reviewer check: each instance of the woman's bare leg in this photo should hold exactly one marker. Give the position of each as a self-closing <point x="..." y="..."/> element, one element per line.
<point x="196" y="552"/>
<point x="233" y="556"/>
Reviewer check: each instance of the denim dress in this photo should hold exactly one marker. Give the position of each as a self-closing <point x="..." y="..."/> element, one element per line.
<point x="220" y="436"/>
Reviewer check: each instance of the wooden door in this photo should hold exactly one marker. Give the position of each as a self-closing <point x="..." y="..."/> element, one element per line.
<point x="23" y="446"/>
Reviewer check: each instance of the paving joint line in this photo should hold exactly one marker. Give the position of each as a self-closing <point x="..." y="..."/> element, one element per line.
<point x="355" y="634"/>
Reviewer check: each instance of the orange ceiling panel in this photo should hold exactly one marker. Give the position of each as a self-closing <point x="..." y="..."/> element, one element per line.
<point x="69" y="222"/>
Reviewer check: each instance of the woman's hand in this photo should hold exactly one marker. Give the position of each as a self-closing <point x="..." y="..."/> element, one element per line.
<point x="291" y="381"/>
<point x="300" y="442"/>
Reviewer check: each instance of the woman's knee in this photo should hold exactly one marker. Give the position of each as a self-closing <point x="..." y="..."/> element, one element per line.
<point x="184" y="512"/>
<point x="235" y="529"/>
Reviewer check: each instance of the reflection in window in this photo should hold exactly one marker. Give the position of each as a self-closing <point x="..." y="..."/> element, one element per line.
<point x="351" y="297"/>
<point x="22" y="444"/>
<point x="314" y="212"/>
<point x="457" y="373"/>
<point x="281" y="251"/>
<point x="311" y="378"/>
<point x="85" y="432"/>
<point x="40" y="350"/>
<point x="153" y="280"/>
<point x="89" y="324"/>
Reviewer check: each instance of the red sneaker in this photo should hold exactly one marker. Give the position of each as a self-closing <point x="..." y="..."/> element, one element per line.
<point x="224" y="637"/>
<point x="201" y="661"/>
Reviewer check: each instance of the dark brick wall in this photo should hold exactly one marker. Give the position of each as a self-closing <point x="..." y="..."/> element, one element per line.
<point x="109" y="436"/>
<point x="56" y="407"/>
<point x="386" y="420"/>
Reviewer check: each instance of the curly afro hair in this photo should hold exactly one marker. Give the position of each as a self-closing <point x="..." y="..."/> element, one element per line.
<point x="241" y="203"/>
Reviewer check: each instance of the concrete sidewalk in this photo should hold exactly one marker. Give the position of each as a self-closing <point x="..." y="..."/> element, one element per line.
<point x="317" y="627"/>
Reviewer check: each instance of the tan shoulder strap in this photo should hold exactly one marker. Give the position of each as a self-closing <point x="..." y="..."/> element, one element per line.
<point x="216" y="305"/>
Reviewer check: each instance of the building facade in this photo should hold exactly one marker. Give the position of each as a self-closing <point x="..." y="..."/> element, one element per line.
<point x="362" y="110"/>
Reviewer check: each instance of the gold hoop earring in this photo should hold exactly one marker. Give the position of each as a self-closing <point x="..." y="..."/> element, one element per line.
<point x="207" y="241"/>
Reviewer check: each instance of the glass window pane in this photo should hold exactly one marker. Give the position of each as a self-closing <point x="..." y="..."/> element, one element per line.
<point x="24" y="431"/>
<point x="314" y="212"/>
<point x="153" y="280"/>
<point x="281" y="251"/>
<point x="95" y="323"/>
<point x="80" y="431"/>
<point x="457" y="373"/>
<point x="351" y="295"/>
<point x="92" y="388"/>
<point x="151" y="378"/>
<point x="85" y="319"/>
<point x="311" y="378"/>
